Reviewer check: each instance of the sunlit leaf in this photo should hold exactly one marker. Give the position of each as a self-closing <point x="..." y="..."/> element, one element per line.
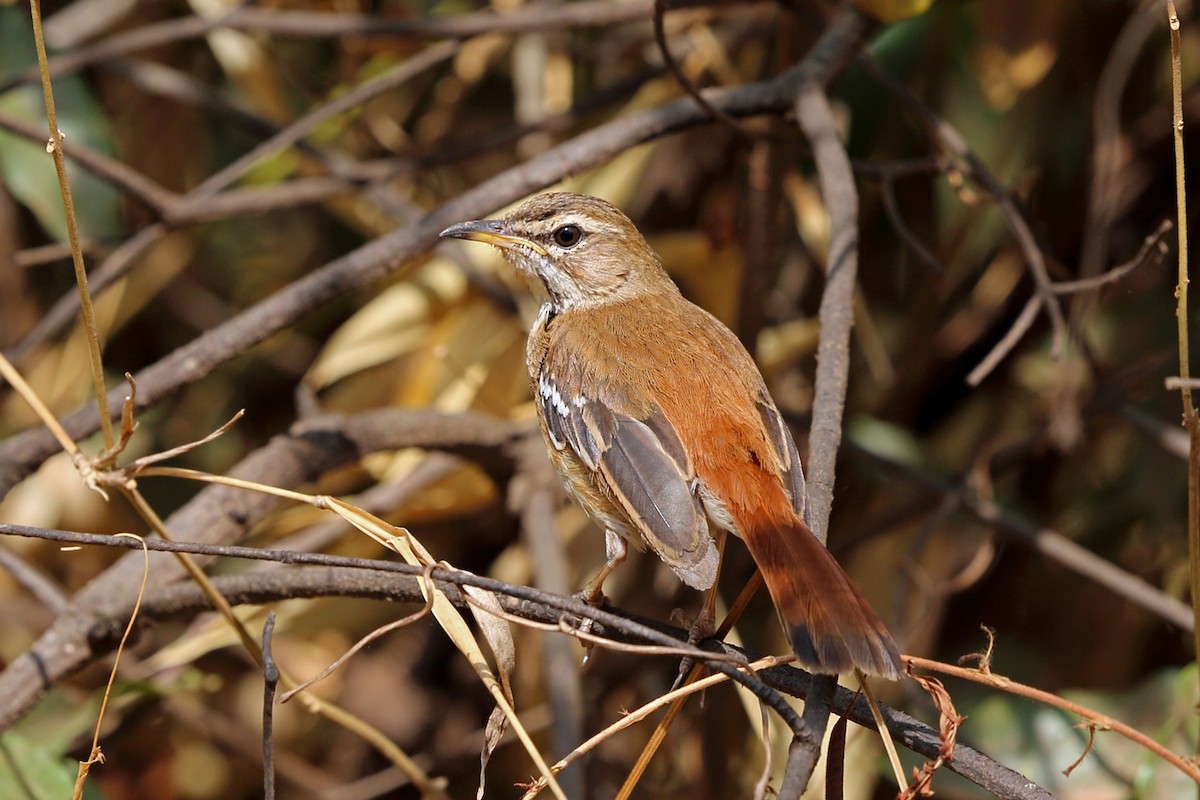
<point x="893" y="10"/>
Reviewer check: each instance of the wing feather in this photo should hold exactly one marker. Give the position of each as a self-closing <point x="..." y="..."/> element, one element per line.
<point x="644" y="468"/>
<point x="781" y="440"/>
<point x="655" y="491"/>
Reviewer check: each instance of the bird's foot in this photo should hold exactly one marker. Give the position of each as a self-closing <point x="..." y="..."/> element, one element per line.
<point x="594" y="596"/>
<point x="701" y="628"/>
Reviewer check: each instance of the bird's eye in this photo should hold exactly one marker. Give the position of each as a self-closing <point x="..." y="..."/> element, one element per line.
<point x="567" y="235"/>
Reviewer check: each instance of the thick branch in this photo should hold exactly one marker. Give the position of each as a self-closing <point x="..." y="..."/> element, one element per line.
<point x="837" y="302"/>
<point x="221" y="514"/>
<point x="321" y="25"/>
<point x="836" y="315"/>
<point x="21" y="454"/>
<point x="396" y="582"/>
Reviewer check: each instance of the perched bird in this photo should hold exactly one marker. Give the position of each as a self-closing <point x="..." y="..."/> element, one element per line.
<point x="659" y="422"/>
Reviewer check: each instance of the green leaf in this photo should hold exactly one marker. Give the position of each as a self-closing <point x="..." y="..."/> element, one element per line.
<point x="27" y="169"/>
<point x="885" y="439"/>
<point x="31" y="771"/>
<point x="1041" y="742"/>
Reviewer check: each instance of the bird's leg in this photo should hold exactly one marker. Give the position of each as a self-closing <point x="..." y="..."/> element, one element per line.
<point x="706" y="621"/>
<point x="615" y="551"/>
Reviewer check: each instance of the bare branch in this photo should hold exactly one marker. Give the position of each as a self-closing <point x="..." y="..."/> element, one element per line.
<point x="221" y="514"/>
<point x="836" y="177"/>
<point x="388" y="580"/>
<point x="954" y="143"/>
<point x="21" y="454"/>
<point x="307" y="24"/>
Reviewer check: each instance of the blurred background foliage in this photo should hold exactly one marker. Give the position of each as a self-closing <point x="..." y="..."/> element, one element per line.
<point x="1068" y="104"/>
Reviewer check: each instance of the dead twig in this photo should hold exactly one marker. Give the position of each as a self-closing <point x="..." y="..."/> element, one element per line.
<point x="389" y="580"/>
<point x="949" y="722"/>
<point x="20" y="454"/>
<point x="1104" y="722"/>
<point x="270" y="681"/>
<point x="1044" y="298"/>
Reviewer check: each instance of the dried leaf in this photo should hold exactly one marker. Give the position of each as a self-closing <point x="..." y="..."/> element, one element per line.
<point x="948" y="723"/>
<point x="448" y="617"/>
<point x="497" y="724"/>
<point x="835" y="761"/>
<point x="498" y="634"/>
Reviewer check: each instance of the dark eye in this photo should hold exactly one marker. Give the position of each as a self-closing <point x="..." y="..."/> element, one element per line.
<point x="567" y="235"/>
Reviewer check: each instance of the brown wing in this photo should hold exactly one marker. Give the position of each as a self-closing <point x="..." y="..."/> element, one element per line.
<point x="644" y="469"/>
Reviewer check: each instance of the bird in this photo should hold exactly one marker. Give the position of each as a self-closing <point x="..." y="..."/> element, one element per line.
<point x="661" y="426"/>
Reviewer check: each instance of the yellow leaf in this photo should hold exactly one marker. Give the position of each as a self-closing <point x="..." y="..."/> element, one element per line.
<point x="893" y="10"/>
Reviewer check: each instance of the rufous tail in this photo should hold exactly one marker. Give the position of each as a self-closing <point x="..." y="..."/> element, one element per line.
<point x="831" y="627"/>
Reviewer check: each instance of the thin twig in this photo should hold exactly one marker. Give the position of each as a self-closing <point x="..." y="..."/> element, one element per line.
<point x="954" y="143"/>
<point x="20" y="454"/>
<point x="891" y="207"/>
<point x="1181" y="290"/>
<point x="681" y="77"/>
<point x="1184" y="765"/>
<point x="1153" y="248"/>
<point x="382" y="630"/>
<point x="95" y="756"/>
<point x="1191" y="419"/>
<point x="1050" y="543"/>
<point x="55" y="149"/>
<point x="1015" y="334"/>
<point x="1087" y="748"/>
<point x="270" y="681"/>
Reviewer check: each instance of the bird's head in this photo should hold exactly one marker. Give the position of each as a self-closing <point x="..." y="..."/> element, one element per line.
<point x="583" y="250"/>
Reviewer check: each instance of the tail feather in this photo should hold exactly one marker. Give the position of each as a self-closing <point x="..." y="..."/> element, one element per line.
<point x="831" y="627"/>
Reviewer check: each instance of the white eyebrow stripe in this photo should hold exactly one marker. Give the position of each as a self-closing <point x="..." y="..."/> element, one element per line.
<point x="588" y="224"/>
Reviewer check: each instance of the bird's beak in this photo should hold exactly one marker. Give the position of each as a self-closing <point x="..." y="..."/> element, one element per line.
<point x="493" y="232"/>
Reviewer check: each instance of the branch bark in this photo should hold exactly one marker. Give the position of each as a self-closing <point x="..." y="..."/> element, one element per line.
<point x="836" y="315"/>
<point x="334" y="576"/>
<point x="221" y="514"/>
<point x="23" y="453"/>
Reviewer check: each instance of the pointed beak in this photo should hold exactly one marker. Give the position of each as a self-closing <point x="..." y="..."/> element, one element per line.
<point x="493" y="232"/>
